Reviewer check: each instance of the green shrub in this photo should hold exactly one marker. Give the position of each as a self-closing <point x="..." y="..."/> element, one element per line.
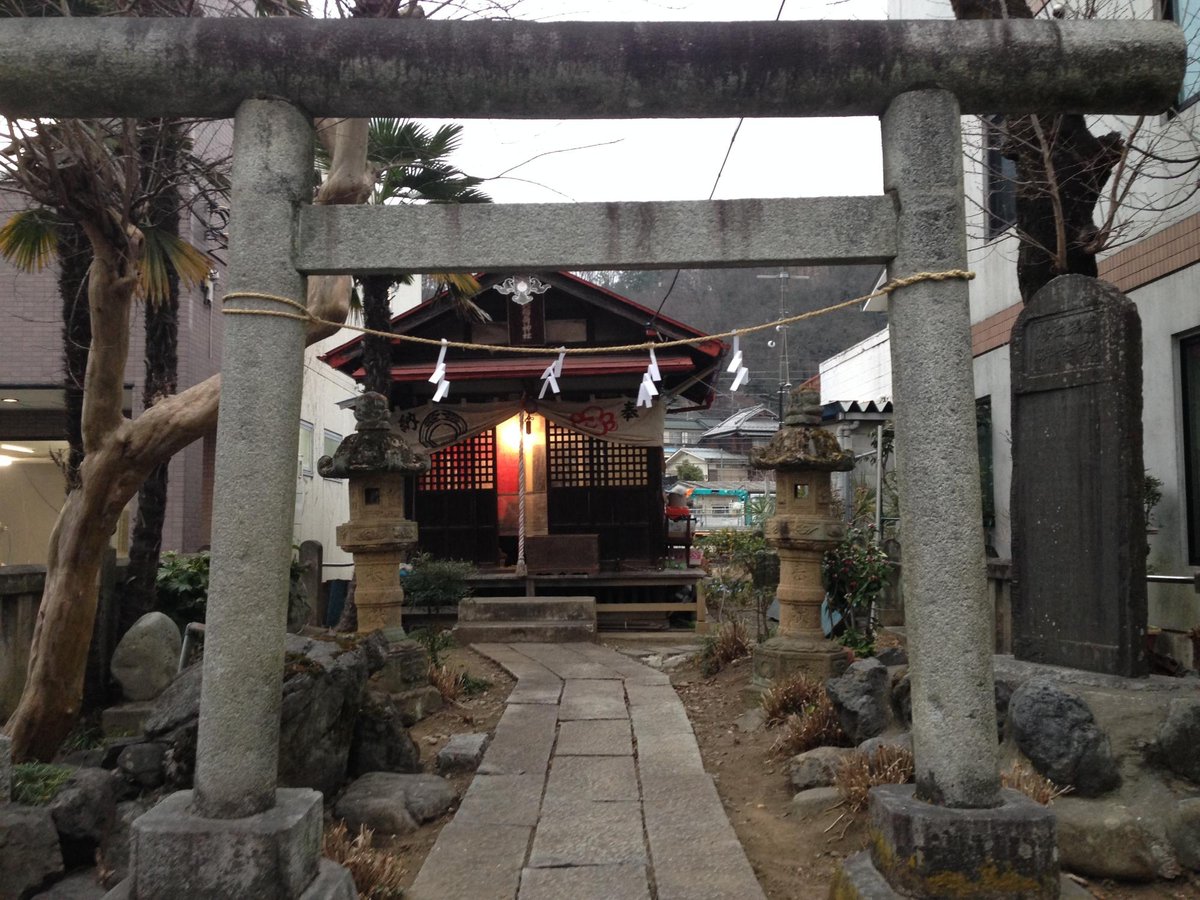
<point x="855" y="573"/>
<point x="36" y="784"/>
<point x="436" y="642"/>
<point x="182" y="586"/>
<point x="434" y="583"/>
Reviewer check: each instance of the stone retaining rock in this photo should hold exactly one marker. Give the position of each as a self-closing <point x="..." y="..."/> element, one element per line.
<point x="29" y="850"/>
<point x="859" y="697"/>
<point x="1183" y="830"/>
<point x="817" y="767"/>
<point x="83" y="811"/>
<point x="77" y="886"/>
<point x="814" y="802"/>
<point x="416" y="704"/>
<point x="323" y="690"/>
<point x="1056" y="730"/>
<point x="142" y="764"/>
<point x="114" y="849"/>
<point x="1177" y="745"/>
<point x="147" y="657"/>
<point x="463" y="753"/>
<point x="902" y="741"/>
<point x="381" y="743"/>
<point x="393" y="804"/>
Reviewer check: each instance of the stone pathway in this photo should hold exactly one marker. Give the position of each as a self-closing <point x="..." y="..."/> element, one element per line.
<point x="592" y="789"/>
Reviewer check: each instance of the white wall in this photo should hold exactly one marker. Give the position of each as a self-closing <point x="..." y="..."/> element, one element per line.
<point x="324" y="503"/>
<point x="31" y="494"/>
<point x="862" y="372"/>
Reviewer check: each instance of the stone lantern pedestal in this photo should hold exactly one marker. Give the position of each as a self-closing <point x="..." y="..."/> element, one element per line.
<point x="804" y="526"/>
<point x="376" y="462"/>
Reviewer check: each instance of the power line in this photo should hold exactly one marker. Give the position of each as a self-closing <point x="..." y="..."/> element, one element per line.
<point x="716" y="181"/>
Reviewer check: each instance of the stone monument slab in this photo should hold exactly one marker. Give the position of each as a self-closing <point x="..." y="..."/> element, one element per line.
<point x="1079" y="543"/>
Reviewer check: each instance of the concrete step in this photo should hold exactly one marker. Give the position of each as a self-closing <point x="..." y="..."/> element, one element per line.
<point x="527" y="609"/>
<point x="525" y="632"/>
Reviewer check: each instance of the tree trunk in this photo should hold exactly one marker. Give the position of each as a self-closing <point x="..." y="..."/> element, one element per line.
<point x="162" y="363"/>
<point x="1079" y="167"/>
<point x="377" y="351"/>
<point x="74" y="258"/>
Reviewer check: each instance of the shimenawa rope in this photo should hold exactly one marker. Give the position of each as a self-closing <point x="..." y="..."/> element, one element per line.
<point x="303" y="315"/>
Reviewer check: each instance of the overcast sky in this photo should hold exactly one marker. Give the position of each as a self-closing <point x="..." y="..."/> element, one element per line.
<point x="677" y="159"/>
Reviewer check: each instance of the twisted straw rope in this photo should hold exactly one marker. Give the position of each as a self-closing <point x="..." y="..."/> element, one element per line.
<point x="304" y="315"/>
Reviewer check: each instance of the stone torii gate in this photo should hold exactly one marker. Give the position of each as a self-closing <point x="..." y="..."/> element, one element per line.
<point x="236" y="834"/>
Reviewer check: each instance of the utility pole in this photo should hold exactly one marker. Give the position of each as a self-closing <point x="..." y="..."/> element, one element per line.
<point x="785" y="374"/>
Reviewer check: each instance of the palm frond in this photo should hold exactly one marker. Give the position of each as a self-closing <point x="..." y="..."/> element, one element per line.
<point x="163" y="252"/>
<point x="29" y="239"/>
<point x="460" y="289"/>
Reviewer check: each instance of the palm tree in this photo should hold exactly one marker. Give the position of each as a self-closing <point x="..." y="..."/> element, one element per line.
<point x="410" y="166"/>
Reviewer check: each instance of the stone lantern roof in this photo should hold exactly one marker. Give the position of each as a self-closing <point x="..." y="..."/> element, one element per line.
<point x="801" y="443"/>
<point x="372" y="448"/>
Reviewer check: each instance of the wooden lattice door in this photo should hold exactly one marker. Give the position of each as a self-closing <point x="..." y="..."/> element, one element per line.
<point x="611" y="490"/>
<point x="455" y="501"/>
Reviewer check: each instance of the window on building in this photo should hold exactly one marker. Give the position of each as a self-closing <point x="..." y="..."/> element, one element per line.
<point x="999" y="180"/>
<point x="1186" y="13"/>
<point x="306" y="447"/>
<point x="1190" y="372"/>
<point x="331" y="443"/>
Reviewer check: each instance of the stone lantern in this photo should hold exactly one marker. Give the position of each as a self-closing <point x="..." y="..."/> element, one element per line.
<point x="804" y="526"/>
<point x="376" y="462"/>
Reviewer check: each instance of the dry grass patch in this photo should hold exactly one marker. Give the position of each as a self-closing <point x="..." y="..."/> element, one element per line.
<point x="377" y="875"/>
<point x="1021" y="776"/>
<point x="731" y="642"/>
<point x="796" y="696"/>
<point x="816" y="726"/>
<point x="859" y="772"/>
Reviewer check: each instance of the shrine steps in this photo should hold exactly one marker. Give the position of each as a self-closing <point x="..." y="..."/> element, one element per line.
<point x="525" y="619"/>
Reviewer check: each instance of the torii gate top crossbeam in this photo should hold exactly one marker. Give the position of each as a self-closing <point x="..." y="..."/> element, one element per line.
<point x="206" y="67"/>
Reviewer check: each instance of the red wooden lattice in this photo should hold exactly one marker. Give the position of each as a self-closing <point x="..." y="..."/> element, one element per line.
<point x="467" y="466"/>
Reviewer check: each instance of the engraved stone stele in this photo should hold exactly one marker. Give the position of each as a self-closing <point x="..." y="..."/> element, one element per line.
<point x="1079" y="542"/>
<point x="375" y="462"/>
<point x="803" y="528"/>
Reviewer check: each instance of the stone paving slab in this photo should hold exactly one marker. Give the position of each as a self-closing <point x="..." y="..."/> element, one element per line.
<point x="629" y="669"/>
<point x="502" y="800"/>
<point x="584" y="833"/>
<point x="592" y="699"/>
<point x="595" y="778"/>
<point x="670" y="752"/>
<point x="567" y="662"/>
<point x="524" y="737"/>
<point x="482" y="862"/>
<point x="545" y="690"/>
<point x="515" y="663"/>
<point x="563" y="806"/>
<point x="619" y="882"/>
<point x="595" y="737"/>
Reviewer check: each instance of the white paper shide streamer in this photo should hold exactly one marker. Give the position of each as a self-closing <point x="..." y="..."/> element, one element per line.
<point x="439" y="376"/>
<point x="647" y="391"/>
<point x="740" y="373"/>
<point x="552" y="373"/>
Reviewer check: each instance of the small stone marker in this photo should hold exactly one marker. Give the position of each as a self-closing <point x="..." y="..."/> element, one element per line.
<point x="147" y="657"/>
<point x="1079" y="543"/>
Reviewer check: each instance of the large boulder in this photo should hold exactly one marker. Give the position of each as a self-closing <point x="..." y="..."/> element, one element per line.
<point x="1056" y="730"/>
<point x="1177" y="745"/>
<point x="323" y="690"/>
<point x="142" y="763"/>
<point x="29" y="850"/>
<point x="388" y="803"/>
<point x="860" y="699"/>
<point x="147" y="657"/>
<point x="381" y="743"/>
<point x="83" y="810"/>
<point x="1110" y="839"/>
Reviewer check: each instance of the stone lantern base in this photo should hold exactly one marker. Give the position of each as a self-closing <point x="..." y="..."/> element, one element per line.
<point x="779" y="658"/>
